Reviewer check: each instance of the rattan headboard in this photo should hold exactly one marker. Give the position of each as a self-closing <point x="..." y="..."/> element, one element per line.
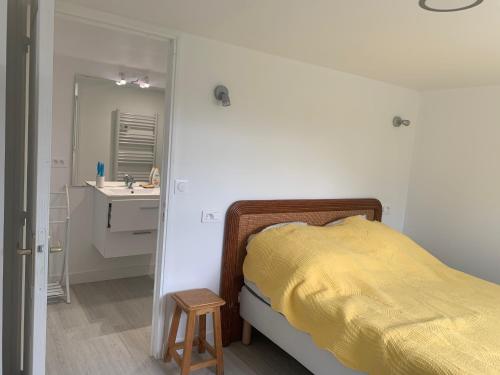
<point x="248" y="217"/>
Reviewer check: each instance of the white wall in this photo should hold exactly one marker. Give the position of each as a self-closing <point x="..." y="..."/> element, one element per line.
<point x="3" y="70"/>
<point x="453" y="200"/>
<point x="293" y="131"/>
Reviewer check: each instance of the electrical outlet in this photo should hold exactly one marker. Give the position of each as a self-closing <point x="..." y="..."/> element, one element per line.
<point x="211" y="216"/>
<point x="59" y="163"/>
<point x="386" y="209"/>
<point x="181" y="186"/>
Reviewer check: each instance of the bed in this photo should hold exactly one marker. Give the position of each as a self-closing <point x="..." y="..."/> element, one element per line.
<point x="374" y="299"/>
<point x="245" y="218"/>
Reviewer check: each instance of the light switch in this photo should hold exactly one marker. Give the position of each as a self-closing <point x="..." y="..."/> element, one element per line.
<point x="181" y="186"/>
<point x="211" y="216"/>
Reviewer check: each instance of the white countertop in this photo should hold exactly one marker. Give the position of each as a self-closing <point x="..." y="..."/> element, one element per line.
<point x="117" y="189"/>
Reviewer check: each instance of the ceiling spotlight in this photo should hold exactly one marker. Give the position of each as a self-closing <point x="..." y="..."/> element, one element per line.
<point x="144" y="83"/>
<point x="462" y="5"/>
<point x="122" y="81"/>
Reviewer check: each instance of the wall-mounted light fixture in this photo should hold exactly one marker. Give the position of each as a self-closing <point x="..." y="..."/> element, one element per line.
<point x="397" y="121"/>
<point x="222" y="95"/>
<point x="467" y="4"/>
<point x="143" y="82"/>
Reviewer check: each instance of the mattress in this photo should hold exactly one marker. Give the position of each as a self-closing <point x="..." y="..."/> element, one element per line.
<point x="256" y="292"/>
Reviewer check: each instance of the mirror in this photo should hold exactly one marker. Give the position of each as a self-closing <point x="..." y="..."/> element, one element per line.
<point x="120" y="125"/>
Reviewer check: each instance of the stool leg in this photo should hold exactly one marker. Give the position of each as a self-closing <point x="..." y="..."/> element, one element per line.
<point x="218" y="341"/>
<point x="174" y="326"/>
<point x="202" y="333"/>
<point x="188" y="343"/>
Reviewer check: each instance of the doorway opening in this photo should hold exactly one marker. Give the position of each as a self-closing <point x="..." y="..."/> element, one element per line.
<point x="111" y="145"/>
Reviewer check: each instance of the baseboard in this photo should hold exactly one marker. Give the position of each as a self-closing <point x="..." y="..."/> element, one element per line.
<point x="109" y="274"/>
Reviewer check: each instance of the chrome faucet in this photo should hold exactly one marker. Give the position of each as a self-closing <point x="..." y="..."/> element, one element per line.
<point x="129" y="181"/>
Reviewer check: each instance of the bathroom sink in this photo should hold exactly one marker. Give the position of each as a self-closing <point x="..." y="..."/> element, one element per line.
<point x="124" y="191"/>
<point x="125" y="220"/>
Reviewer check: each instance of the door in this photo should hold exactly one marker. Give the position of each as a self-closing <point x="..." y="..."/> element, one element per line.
<point x="27" y="184"/>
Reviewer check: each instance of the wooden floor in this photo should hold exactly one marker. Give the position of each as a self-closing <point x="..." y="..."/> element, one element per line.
<point x="106" y="330"/>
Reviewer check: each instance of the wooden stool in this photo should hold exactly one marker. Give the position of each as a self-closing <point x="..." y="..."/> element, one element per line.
<point x="196" y="303"/>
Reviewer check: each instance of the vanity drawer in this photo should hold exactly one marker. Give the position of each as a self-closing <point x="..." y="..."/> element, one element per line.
<point x="127" y="215"/>
<point x="122" y="244"/>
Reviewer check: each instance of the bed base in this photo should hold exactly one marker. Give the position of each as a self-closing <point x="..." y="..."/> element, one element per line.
<point x="298" y="344"/>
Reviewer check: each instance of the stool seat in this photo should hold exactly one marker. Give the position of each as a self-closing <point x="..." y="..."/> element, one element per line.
<point x="197" y="299"/>
<point x="196" y="303"/>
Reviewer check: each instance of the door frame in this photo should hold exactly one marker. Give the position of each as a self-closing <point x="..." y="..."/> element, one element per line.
<point x="108" y="20"/>
<point x="3" y="72"/>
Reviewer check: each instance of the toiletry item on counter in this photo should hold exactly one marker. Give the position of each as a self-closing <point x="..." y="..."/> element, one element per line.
<point x="151" y="175"/>
<point x="155" y="179"/>
<point x="99" y="180"/>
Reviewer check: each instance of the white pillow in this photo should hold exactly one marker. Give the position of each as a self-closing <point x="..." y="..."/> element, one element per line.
<point x="279" y="225"/>
<point x="340" y="221"/>
<point x="274" y="226"/>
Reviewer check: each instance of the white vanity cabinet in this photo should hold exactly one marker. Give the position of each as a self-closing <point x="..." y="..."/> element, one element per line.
<point x="125" y="224"/>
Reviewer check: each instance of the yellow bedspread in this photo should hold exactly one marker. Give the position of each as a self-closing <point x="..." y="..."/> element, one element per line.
<point x="378" y="301"/>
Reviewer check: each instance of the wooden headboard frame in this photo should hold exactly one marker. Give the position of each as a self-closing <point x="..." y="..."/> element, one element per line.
<point x="244" y="218"/>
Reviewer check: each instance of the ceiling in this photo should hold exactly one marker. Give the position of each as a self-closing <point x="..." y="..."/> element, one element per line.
<point x="388" y="40"/>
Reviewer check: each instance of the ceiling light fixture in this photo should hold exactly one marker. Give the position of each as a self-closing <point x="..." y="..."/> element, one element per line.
<point x="144" y="83"/>
<point x="122" y="81"/>
<point x="424" y="4"/>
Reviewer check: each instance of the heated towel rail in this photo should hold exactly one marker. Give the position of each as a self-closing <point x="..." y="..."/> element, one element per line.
<point x="135" y="142"/>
